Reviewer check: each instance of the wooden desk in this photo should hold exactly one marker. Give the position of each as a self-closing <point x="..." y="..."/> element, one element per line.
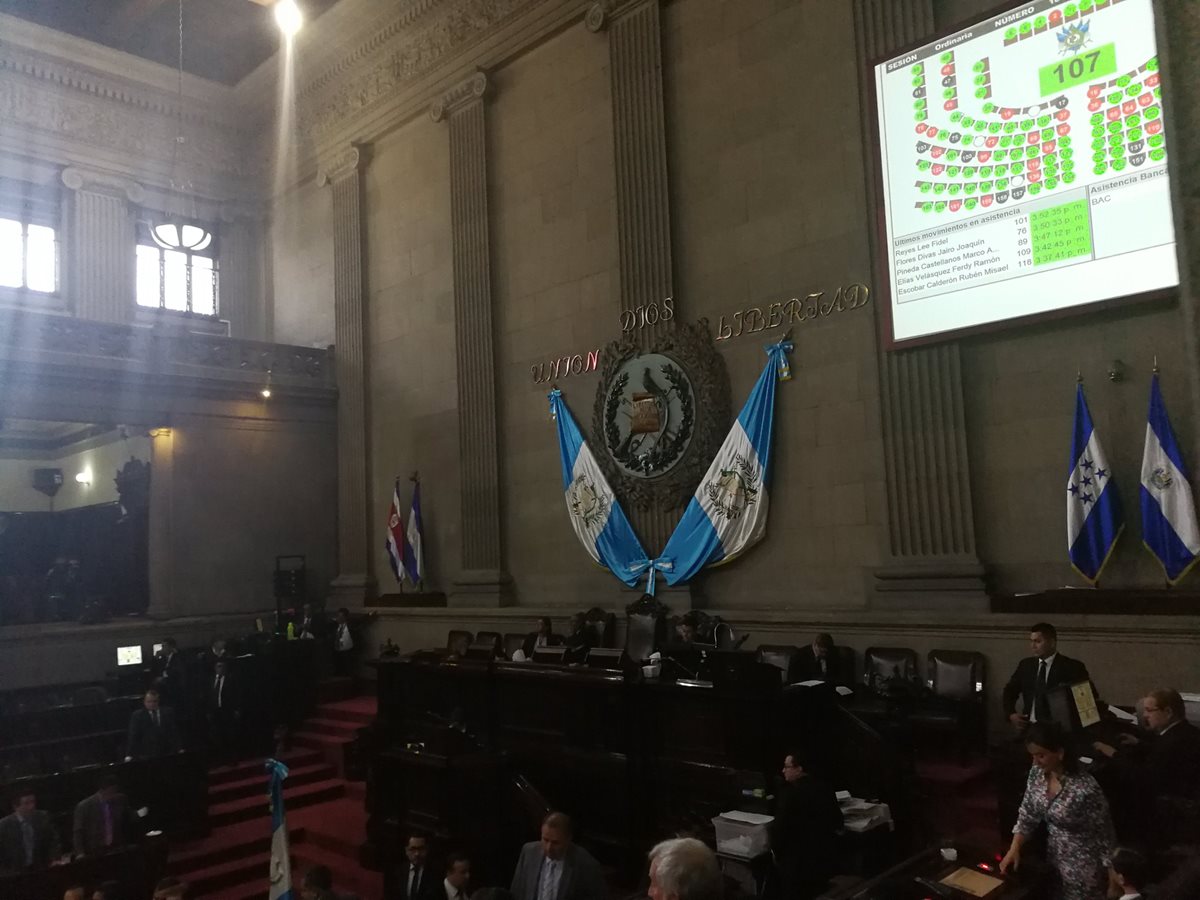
<point x="137" y="868"/>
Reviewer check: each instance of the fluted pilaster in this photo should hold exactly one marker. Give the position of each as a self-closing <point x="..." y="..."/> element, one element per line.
<point x="931" y="534"/>
<point x="101" y="270"/>
<point x="482" y="580"/>
<point x="343" y="173"/>
<point x="243" y="274"/>
<point x="643" y="189"/>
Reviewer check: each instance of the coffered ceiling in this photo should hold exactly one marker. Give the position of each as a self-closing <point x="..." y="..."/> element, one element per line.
<point x="223" y="40"/>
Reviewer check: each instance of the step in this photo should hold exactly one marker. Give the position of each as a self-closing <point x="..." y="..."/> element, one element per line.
<point x="340" y="826"/>
<point x="218" y="849"/>
<point x="247" y="808"/>
<point x="256" y="785"/>
<point x="248" y="869"/>
<point x="346" y="731"/>
<point x="314" y="740"/>
<point x="348" y="875"/>
<point x="257" y="766"/>
<point x="358" y="717"/>
<point x="331" y="690"/>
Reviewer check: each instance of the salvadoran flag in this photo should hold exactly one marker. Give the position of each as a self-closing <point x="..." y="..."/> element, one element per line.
<point x="1094" y="519"/>
<point x="597" y="517"/>
<point x="395" y="533"/>
<point x="728" y="513"/>
<point x="281" y="860"/>
<point x="1169" y="527"/>
<point x="412" y="546"/>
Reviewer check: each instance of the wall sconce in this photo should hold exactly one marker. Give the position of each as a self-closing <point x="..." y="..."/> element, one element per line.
<point x="266" y="391"/>
<point x="84" y="477"/>
<point x="1116" y="371"/>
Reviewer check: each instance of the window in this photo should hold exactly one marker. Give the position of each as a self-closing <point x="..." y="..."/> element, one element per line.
<point x="177" y="268"/>
<point x="28" y="253"/>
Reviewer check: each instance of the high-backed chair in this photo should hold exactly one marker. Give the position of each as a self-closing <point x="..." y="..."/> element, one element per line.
<point x="883" y="664"/>
<point x="956" y="702"/>
<point x="781" y="656"/>
<point x="645" y="627"/>
<point x="490" y="637"/>
<point x="513" y="642"/>
<point x="846" y="665"/>
<point x="603" y="625"/>
<point x="457" y="641"/>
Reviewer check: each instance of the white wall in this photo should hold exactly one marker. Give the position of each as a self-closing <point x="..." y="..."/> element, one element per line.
<point x="16" y="477"/>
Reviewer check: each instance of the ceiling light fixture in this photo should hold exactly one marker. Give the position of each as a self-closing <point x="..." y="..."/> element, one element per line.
<point x="170" y="229"/>
<point x="288" y="17"/>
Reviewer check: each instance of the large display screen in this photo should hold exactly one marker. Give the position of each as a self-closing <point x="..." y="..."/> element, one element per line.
<point x="1024" y="168"/>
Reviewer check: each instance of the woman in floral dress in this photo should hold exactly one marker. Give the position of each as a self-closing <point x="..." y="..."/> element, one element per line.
<point x="1075" y="812"/>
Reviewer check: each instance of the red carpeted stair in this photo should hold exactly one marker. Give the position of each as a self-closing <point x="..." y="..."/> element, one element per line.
<point x="325" y="814"/>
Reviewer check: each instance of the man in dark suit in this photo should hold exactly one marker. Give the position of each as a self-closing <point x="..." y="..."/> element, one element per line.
<point x="152" y="730"/>
<point x="28" y="838"/>
<point x="543" y="637"/>
<point x="171" y="676"/>
<point x="1167" y="763"/>
<point x="417" y="878"/>
<point x="343" y="643"/>
<point x="818" y="661"/>
<point x="312" y="624"/>
<point x="1036" y="675"/>
<point x="803" y="835"/>
<point x="224" y="714"/>
<point x="556" y="868"/>
<point x="103" y="821"/>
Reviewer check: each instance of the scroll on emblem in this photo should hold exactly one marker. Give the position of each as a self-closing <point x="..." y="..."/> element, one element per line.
<point x="645" y="418"/>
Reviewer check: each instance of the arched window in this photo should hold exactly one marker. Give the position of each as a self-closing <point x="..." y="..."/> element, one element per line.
<point x="177" y="267"/>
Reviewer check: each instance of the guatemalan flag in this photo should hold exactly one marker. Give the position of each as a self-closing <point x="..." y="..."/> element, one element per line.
<point x="1094" y="520"/>
<point x="395" y="534"/>
<point x="1169" y="527"/>
<point x="728" y="513"/>
<point x="281" y="861"/>
<point x="412" y="543"/>
<point x="596" y="516"/>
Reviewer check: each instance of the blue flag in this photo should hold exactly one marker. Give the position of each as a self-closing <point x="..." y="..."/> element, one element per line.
<point x="281" y="860"/>
<point x="597" y="517"/>
<point x="1169" y="527"/>
<point x="1094" y="520"/>
<point x="728" y="513"/>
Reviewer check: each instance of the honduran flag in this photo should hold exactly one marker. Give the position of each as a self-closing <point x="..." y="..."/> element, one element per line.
<point x="281" y="861"/>
<point x="395" y="534"/>
<point x="728" y="513"/>
<point x="1169" y="527"/>
<point x="412" y="542"/>
<point x="597" y="517"/>
<point x="1094" y="518"/>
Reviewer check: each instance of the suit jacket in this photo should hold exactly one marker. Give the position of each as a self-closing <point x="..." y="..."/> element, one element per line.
<point x="1023" y="683"/>
<point x="230" y="696"/>
<point x="147" y="740"/>
<point x="554" y="640"/>
<point x="581" y="877"/>
<point x="804" y="833"/>
<point x="88" y="829"/>
<point x="46" y="846"/>
<point x="316" y="626"/>
<point x="806" y="667"/>
<point x="1170" y="763"/>
<point x="429" y="887"/>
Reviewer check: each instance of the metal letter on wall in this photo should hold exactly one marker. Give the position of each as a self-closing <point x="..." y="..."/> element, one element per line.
<point x="482" y="580"/>
<point x="343" y="173"/>
<point x="931" y="534"/>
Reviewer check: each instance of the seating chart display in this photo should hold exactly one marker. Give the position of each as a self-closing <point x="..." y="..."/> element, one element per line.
<point x="1024" y="167"/>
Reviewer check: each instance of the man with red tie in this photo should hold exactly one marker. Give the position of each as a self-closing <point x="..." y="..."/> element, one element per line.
<point x="103" y="821"/>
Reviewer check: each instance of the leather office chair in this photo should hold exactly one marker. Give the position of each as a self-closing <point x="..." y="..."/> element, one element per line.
<point x="781" y="656"/>
<point x="603" y="625"/>
<point x="490" y="637"/>
<point x="956" y="702"/>
<point x="512" y="643"/>
<point x="883" y="664"/>
<point x="457" y="641"/>
<point x="645" y="627"/>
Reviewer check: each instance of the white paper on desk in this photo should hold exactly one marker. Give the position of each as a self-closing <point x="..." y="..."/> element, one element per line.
<point x="813" y="682"/>
<point x="1121" y="714"/>
<point x="518" y="655"/>
<point x="843" y="690"/>
<point x="856" y="805"/>
<point x="655" y="656"/>
<point x="747" y="818"/>
<point x="842" y="796"/>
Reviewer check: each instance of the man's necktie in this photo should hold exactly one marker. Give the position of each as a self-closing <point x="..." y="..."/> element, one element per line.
<point x="154" y="715"/>
<point x="414" y="881"/>
<point x="108" y="825"/>
<point x="1040" y="703"/>
<point x="27" y="834"/>
<point x="220" y="684"/>
<point x="547" y="888"/>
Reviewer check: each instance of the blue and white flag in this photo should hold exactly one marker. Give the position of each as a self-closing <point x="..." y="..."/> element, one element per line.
<point x="1094" y="520"/>
<point x="412" y="545"/>
<point x="281" y="860"/>
<point x="1169" y="527"/>
<point x="596" y="516"/>
<point x="728" y="513"/>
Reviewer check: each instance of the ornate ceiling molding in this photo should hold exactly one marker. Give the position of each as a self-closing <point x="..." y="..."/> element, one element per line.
<point x="79" y="179"/>
<point x="467" y="91"/>
<point x="351" y="158"/>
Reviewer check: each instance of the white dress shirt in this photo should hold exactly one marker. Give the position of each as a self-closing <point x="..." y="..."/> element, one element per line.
<point x="452" y="893"/>
<point x="344" y="641"/>
<point x="551" y="876"/>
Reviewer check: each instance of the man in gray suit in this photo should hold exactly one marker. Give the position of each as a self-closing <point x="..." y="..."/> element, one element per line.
<point x="103" y="821"/>
<point x="28" y="838"/>
<point x="556" y="868"/>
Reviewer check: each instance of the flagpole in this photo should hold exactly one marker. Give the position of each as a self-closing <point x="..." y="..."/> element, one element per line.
<point x="415" y="478"/>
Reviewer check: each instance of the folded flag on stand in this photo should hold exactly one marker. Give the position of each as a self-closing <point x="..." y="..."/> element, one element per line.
<point x="1094" y="520"/>
<point x="281" y="860"/>
<point x="728" y="513"/>
<point x="1169" y="527"/>
<point x="395" y="534"/>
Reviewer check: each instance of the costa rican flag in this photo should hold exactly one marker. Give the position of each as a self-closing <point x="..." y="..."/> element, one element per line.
<point x="395" y="534"/>
<point x="1094" y="518"/>
<point x="728" y="513"/>
<point x="412" y="540"/>
<point x="281" y="861"/>
<point x="1169" y="527"/>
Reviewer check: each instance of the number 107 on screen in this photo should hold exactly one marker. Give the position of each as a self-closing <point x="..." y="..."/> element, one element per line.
<point x="1078" y="69"/>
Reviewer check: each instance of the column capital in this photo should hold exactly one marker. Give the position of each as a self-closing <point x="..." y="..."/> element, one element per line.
<point x="348" y="159"/>
<point x="602" y="13"/>
<point x="80" y="179"/>
<point x="470" y="89"/>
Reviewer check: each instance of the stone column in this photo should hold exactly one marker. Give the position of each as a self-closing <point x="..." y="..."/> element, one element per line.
<point x="931" y="557"/>
<point x="100" y="246"/>
<point x="163" y="602"/>
<point x="482" y="579"/>
<point x="355" y="582"/>
<point x="242" y="274"/>
<point x="643" y="189"/>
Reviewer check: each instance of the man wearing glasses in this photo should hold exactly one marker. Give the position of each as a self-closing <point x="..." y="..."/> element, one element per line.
<point x="1167" y="762"/>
